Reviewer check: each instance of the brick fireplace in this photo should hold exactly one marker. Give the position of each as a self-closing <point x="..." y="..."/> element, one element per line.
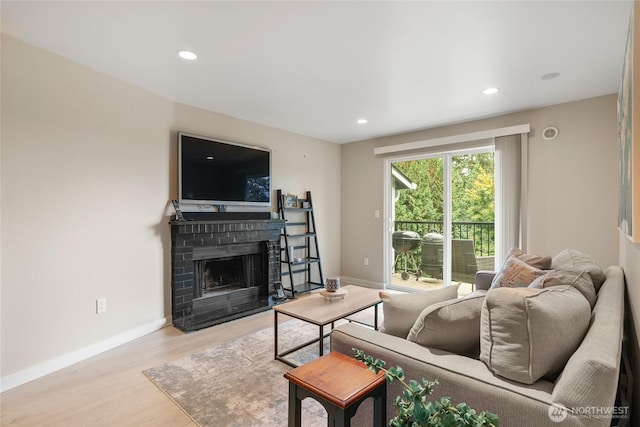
<point x="222" y="270"/>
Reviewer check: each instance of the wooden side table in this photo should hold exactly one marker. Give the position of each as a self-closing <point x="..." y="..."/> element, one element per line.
<point x="340" y="383"/>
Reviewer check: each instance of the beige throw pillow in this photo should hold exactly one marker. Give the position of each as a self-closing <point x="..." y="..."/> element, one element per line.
<point x="578" y="279"/>
<point x="401" y="310"/>
<point x="515" y="274"/>
<point x="571" y="259"/>
<point x="526" y="333"/>
<point x="452" y="326"/>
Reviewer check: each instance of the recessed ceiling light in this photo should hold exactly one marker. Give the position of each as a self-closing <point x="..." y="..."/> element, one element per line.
<point x="491" y="91"/>
<point x="188" y="55"/>
<point x="362" y="121"/>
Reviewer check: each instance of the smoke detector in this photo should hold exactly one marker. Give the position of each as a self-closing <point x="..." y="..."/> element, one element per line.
<point x="550" y="133"/>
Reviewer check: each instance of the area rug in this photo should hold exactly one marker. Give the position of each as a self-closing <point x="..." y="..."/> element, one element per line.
<point x="238" y="383"/>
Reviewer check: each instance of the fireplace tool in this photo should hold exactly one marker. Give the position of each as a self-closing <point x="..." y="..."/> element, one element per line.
<point x="277" y="284"/>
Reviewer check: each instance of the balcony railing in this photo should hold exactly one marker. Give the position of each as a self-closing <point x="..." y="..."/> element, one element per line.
<point x="482" y="233"/>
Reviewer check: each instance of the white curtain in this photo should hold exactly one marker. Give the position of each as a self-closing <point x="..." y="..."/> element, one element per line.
<point x="508" y="187"/>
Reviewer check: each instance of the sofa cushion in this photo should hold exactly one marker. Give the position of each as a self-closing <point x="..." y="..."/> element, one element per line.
<point x="578" y="279"/>
<point x="526" y="333"/>
<point x="401" y="310"/>
<point x="537" y="261"/>
<point x="571" y="259"/>
<point x="515" y="273"/>
<point x="452" y="325"/>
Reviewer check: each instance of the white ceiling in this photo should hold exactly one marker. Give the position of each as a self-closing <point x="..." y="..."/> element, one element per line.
<point x="315" y="67"/>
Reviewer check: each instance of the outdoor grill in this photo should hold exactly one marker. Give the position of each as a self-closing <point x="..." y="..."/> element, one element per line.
<point x="405" y="242"/>
<point x="432" y="254"/>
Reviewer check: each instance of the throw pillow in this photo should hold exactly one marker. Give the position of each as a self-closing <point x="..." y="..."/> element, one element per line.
<point x="526" y="334"/>
<point x="401" y="310"/>
<point x="537" y="261"/>
<point x="452" y="326"/>
<point x="571" y="259"/>
<point x="578" y="279"/>
<point x="515" y="274"/>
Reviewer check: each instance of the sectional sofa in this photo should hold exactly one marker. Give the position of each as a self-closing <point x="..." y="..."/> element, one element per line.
<point x="547" y="354"/>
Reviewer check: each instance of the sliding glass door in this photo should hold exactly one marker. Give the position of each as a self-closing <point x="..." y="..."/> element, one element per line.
<point x="441" y="219"/>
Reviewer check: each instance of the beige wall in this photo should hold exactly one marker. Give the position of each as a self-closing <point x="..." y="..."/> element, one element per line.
<point x="572" y="184"/>
<point x="88" y="168"/>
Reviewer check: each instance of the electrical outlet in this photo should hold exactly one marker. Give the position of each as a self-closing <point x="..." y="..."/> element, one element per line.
<point x="366" y="261"/>
<point x="101" y="305"/>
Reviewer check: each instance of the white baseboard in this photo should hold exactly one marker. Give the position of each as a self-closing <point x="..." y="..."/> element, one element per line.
<point x="34" y="372"/>
<point x="361" y="282"/>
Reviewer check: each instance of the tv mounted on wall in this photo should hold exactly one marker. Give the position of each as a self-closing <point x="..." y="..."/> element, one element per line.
<point x="216" y="172"/>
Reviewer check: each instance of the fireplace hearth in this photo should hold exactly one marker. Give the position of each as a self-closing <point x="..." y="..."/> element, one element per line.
<point x="222" y="270"/>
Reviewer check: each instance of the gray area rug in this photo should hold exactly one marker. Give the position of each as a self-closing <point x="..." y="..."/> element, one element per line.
<point x="238" y="383"/>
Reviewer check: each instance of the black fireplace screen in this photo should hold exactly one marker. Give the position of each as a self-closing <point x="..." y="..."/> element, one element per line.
<point x="221" y="275"/>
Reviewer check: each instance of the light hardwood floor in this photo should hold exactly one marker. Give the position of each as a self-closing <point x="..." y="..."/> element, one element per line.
<point x="110" y="389"/>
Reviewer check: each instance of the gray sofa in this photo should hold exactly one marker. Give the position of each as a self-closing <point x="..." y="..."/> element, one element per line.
<point x="586" y="385"/>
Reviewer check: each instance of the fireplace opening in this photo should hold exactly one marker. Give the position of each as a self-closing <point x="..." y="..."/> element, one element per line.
<point x="224" y="275"/>
<point x="228" y="281"/>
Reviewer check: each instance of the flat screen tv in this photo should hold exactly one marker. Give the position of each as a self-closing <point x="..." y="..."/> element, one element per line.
<point x="216" y="172"/>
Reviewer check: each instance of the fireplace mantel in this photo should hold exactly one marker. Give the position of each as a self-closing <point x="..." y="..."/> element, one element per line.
<point x="195" y="240"/>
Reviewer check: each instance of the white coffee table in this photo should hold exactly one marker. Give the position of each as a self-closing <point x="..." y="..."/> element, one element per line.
<point x="321" y="311"/>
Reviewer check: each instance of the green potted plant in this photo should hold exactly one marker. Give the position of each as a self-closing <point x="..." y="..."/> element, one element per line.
<point x="414" y="410"/>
